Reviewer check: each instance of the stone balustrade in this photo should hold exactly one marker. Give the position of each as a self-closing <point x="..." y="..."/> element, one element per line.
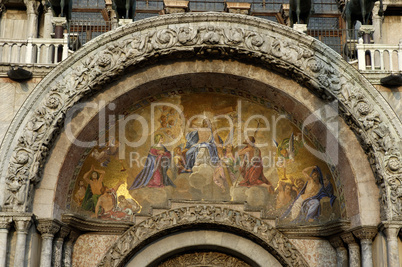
<point x="382" y="57"/>
<point x="33" y="50"/>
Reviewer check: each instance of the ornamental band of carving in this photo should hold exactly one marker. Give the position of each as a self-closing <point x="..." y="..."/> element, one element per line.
<point x="283" y="249"/>
<point x="301" y="57"/>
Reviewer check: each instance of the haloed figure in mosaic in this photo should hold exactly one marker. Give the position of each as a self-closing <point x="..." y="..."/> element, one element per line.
<point x="154" y="173"/>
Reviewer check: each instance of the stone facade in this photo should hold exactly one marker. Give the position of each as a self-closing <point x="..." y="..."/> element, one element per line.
<point x="205" y="50"/>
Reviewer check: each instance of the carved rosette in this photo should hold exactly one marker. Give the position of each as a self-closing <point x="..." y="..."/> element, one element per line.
<point x="230" y="35"/>
<point x="284" y="250"/>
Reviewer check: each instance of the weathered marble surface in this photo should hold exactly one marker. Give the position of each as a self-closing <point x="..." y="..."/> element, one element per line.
<point x="89" y="249"/>
<point x="316" y="252"/>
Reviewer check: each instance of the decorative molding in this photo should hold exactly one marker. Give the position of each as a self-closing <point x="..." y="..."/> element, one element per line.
<point x="47" y="227"/>
<point x="348" y="238"/>
<point x="336" y="242"/>
<point x="22" y="224"/>
<point x="5" y="222"/>
<point x="324" y="230"/>
<point x="133" y="239"/>
<point x="366" y="232"/>
<point x="203" y="259"/>
<point x="84" y="224"/>
<point x="210" y="35"/>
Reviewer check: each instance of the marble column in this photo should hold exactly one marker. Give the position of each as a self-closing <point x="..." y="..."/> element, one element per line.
<point x="341" y="251"/>
<point x="353" y="248"/>
<point x="377" y="23"/>
<point x="58" y="246"/>
<point x="22" y="225"/>
<point x="48" y="228"/>
<point x="391" y="232"/>
<point x="5" y="223"/>
<point x="32" y="21"/>
<point x="68" y="248"/>
<point x="366" y="234"/>
<point x="47" y="24"/>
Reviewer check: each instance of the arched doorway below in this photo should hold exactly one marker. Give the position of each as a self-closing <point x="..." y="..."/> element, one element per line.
<point x="205" y="248"/>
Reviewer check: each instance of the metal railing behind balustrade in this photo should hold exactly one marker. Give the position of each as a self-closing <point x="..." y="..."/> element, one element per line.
<point x="85" y="30"/>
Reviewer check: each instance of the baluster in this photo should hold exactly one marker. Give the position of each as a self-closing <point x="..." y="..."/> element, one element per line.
<point x="382" y="59"/>
<point x="48" y="55"/>
<point x="39" y="48"/>
<point x="10" y="51"/>
<point x="372" y="58"/>
<point x="19" y="53"/>
<point x="400" y="55"/>
<point x="391" y="67"/>
<point x="56" y="54"/>
<point x="1" y="52"/>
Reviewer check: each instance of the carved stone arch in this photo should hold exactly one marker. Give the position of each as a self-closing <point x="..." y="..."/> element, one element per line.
<point x="205" y="35"/>
<point x="203" y="217"/>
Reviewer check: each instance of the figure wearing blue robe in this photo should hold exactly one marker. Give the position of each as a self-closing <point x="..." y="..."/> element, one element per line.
<point x="311" y="208"/>
<point x="156" y="166"/>
<point x="193" y="148"/>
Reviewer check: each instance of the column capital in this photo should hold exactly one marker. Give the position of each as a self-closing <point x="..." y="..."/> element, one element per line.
<point x="365" y="232"/>
<point x="32" y="6"/>
<point x="348" y="238"/>
<point x="366" y="29"/>
<point x="64" y="232"/>
<point x="22" y="224"/>
<point x="73" y="236"/>
<point x="336" y="242"/>
<point x="59" y="21"/>
<point x="48" y="227"/>
<point x="5" y="222"/>
<point x="390" y="228"/>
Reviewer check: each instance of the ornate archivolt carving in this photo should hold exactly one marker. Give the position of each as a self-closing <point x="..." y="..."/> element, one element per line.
<point x="279" y="244"/>
<point x="303" y="58"/>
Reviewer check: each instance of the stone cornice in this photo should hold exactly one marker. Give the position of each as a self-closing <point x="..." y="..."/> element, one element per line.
<point x="324" y="230"/>
<point x="84" y="224"/>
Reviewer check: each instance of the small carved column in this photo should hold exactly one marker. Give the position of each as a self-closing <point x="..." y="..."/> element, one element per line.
<point x="68" y="248"/>
<point x="48" y="228"/>
<point x="22" y="225"/>
<point x="341" y="251"/>
<point x="366" y="235"/>
<point x="354" y="250"/>
<point x="58" y="246"/>
<point x="366" y="31"/>
<point x="391" y="232"/>
<point x="32" y="13"/>
<point x="5" y="223"/>
<point x="47" y="25"/>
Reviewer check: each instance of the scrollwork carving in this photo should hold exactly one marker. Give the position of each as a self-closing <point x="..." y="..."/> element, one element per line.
<point x="201" y="215"/>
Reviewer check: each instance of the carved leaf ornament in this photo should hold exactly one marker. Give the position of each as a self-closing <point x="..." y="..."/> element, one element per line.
<point x="195" y="216"/>
<point x="301" y="57"/>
